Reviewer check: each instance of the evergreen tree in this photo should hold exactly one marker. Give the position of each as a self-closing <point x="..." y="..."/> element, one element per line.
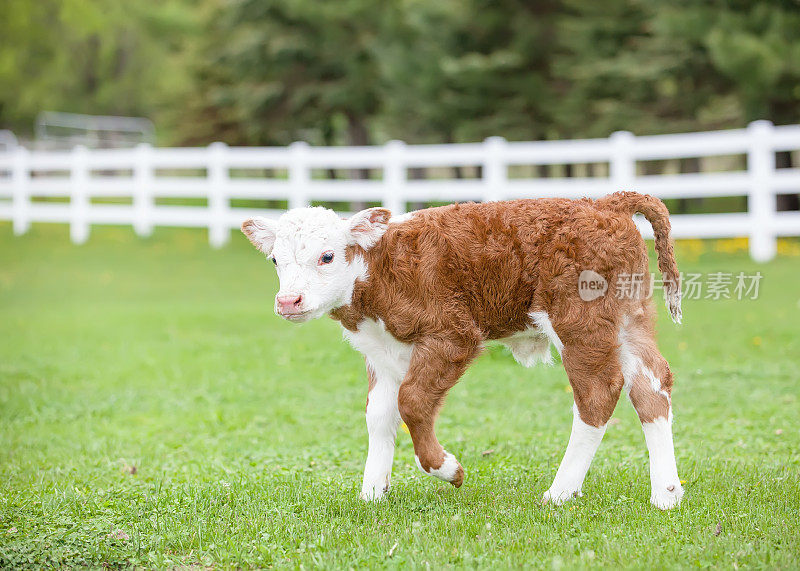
<point x="283" y="70"/>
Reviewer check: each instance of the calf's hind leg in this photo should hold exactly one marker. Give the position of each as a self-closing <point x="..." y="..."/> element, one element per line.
<point x="649" y="384"/>
<point x="435" y="368"/>
<point x="596" y="381"/>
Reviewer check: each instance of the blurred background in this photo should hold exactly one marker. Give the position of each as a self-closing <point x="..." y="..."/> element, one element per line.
<point x="179" y="73"/>
<point x="254" y="72"/>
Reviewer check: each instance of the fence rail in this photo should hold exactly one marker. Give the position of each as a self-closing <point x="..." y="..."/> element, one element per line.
<point x="83" y="187"/>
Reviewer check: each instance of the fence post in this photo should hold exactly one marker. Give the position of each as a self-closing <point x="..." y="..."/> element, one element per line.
<point x="623" y="164"/>
<point x="761" y="199"/>
<point x="21" y="176"/>
<point x="299" y="174"/>
<point x="143" y="191"/>
<point x="79" y="199"/>
<point x="495" y="170"/>
<point x="219" y="231"/>
<point x="394" y="178"/>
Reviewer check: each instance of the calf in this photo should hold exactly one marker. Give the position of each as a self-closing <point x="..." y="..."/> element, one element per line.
<point x="420" y="294"/>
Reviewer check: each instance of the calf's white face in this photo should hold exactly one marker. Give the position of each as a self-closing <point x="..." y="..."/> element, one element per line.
<point x="308" y="247"/>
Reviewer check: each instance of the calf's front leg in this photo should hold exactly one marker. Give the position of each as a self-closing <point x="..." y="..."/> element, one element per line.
<point x="435" y="368"/>
<point x="383" y="418"/>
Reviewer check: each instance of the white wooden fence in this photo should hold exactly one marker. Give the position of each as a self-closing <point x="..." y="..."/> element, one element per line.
<point x="82" y="182"/>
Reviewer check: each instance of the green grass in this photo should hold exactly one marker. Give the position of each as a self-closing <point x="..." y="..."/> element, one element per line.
<point x="248" y="437"/>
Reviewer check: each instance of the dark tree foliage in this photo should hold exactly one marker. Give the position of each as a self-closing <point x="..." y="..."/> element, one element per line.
<point x="461" y="70"/>
<point x="361" y="72"/>
<point x="653" y="67"/>
<point x="272" y="72"/>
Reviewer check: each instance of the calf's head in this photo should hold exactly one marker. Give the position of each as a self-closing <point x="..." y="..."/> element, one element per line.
<point x="309" y="249"/>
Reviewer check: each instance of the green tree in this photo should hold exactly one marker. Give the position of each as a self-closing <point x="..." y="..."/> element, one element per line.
<point x="463" y="70"/>
<point x="91" y="56"/>
<point x="653" y="67"/>
<point x="277" y="71"/>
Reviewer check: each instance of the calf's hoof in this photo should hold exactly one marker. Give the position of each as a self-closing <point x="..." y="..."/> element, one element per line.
<point x="666" y="498"/>
<point x="558" y="497"/>
<point x="373" y="492"/>
<point x="459" y="477"/>
<point x="450" y="470"/>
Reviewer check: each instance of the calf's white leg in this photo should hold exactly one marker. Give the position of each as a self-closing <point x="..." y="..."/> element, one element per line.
<point x="648" y="381"/>
<point x="383" y="418"/>
<point x="665" y="485"/>
<point x="387" y="362"/>
<point x="583" y="443"/>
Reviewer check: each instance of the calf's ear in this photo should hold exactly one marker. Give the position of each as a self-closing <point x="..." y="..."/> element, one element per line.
<point x="367" y="227"/>
<point x="261" y="232"/>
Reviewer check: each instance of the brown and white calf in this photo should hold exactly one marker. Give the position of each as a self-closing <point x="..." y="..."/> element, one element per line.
<point x="420" y="294"/>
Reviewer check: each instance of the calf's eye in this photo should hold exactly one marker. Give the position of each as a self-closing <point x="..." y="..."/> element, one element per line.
<point x="274" y="261"/>
<point x="326" y="258"/>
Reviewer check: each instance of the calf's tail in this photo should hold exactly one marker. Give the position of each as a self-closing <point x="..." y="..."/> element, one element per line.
<point x="628" y="204"/>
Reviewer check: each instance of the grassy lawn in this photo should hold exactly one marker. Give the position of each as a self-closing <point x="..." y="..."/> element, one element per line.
<point x="153" y="411"/>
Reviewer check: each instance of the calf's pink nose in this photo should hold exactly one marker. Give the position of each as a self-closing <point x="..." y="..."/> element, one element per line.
<point x="289" y="302"/>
